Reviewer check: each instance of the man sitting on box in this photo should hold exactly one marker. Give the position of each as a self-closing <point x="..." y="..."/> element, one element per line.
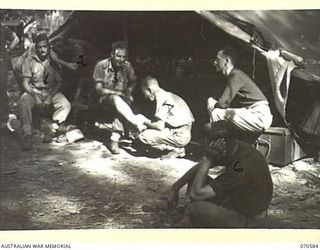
<point x="242" y="104"/>
<point x="243" y="191"/>
<point x="42" y="82"/>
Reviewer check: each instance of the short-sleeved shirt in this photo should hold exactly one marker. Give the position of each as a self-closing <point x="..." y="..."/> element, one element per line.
<point x="241" y="91"/>
<point x="5" y="35"/>
<point x="120" y="80"/>
<point x="44" y="75"/>
<point x="246" y="186"/>
<point x="172" y="109"/>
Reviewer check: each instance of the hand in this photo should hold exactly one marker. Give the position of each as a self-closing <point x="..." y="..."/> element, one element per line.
<point x="217" y="149"/>
<point x="73" y="66"/>
<point x="38" y="101"/>
<point x="144" y="120"/>
<point x="173" y="198"/>
<point x="48" y="101"/>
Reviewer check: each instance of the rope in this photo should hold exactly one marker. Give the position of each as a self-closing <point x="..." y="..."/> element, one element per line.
<point x="254" y="63"/>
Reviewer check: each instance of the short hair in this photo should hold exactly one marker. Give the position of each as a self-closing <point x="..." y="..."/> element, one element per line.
<point x="41" y="37"/>
<point x="119" y="45"/>
<point x="145" y="81"/>
<point x="231" y="53"/>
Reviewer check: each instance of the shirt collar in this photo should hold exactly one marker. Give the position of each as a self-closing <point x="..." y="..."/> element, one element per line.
<point x="108" y="65"/>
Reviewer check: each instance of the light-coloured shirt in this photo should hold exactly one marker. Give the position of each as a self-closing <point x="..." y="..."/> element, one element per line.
<point x="120" y="80"/>
<point x="172" y="109"/>
<point x="43" y="74"/>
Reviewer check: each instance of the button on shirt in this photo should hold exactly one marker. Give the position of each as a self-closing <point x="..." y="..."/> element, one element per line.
<point x="43" y="75"/>
<point x="173" y="110"/>
<point x="111" y="79"/>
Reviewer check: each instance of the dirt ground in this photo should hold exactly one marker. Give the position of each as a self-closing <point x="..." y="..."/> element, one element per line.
<point x="83" y="186"/>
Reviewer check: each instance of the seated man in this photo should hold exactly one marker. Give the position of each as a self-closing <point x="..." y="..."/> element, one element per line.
<point x="41" y="82"/>
<point x="171" y="129"/>
<point x="115" y="80"/>
<point x="72" y="55"/>
<point x="242" y="103"/>
<point x="9" y="38"/>
<point x="243" y="191"/>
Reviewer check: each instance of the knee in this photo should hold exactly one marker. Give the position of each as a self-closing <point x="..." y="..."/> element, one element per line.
<point x="211" y="103"/>
<point x="66" y="106"/>
<point x="26" y="100"/>
<point x="143" y="136"/>
<point x="114" y="100"/>
<point x="147" y="136"/>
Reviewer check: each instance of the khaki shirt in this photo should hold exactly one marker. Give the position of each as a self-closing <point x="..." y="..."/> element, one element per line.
<point x="43" y="75"/>
<point x="110" y="79"/>
<point x="173" y="110"/>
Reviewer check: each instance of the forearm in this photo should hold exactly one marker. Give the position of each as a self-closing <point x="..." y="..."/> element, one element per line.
<point x="132" y="86"/>
<point x="186" y="178"/>
<point x="158" y="125"/>
<point x="27" y="88"/>
<point x="106" y="91"/>
<point x="14" y="43"/>
<point x="199" y="180"/>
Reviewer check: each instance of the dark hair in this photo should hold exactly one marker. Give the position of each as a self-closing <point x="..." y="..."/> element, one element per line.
<point x="119" y="45"/>
<point x="231" y="53"/>
<point x="145" y="80"/>
<point x="41" y="37"/>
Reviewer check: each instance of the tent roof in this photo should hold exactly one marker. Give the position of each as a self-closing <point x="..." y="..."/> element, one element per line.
<point x="295" y="31"/>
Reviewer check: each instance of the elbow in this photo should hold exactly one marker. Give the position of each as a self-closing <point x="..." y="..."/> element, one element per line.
<point x="194" y="195"/>
<point x="222" y="105"/>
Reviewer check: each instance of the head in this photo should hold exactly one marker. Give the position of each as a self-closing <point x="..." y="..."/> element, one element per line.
<point x="222" y="148"/>
<point x="150" y="87"/>
<point x="225" y="60"/>
<point x="42" y="46"/>
<point x="119" y="53"/>
<point x="60" y="44"/>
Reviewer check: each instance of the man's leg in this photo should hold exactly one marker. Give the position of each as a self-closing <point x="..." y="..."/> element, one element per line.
<point x="62" y="108"/>
<point x="4" y="105"/>
<point x="25" y="108"/>
<point x="173" y="140"/>
<point x="205" y="214"/>
<point x="245" y="119"/>
<point x="125" y="110"/>
<point x="26" y="104"/>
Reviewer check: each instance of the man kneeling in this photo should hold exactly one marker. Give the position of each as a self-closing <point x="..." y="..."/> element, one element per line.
<point x="171" y="129"/>
<point x="243" y="191"/>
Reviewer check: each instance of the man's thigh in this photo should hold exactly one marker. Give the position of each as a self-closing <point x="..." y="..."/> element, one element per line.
<point x="205" y="214"/>
<point x="153" y="136"/>
<point x="243" y="118"/>
<point x="59" y="98"/>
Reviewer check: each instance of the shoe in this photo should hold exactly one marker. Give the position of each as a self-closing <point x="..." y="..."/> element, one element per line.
<point x="114" y="147"/>
<point x="48" y="135"/>
<point x="175" y="153"/>
<point x="47" y="138"/>
<point x="27" y="143"/>
<point x="63" y="128"/>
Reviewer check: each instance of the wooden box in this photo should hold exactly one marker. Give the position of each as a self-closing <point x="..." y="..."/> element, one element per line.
<point x="279" y="147"/>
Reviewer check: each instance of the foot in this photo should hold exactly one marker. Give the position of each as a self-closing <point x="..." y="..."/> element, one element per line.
<point x="114" y="147"/>
<point x="27" y="143"/>
<point x="48" y="135"/>
<point x="175" y="153"/>
<point x="47" y="138"/>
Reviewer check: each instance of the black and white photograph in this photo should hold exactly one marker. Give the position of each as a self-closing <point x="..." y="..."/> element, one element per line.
<point x="159" y="119"/>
